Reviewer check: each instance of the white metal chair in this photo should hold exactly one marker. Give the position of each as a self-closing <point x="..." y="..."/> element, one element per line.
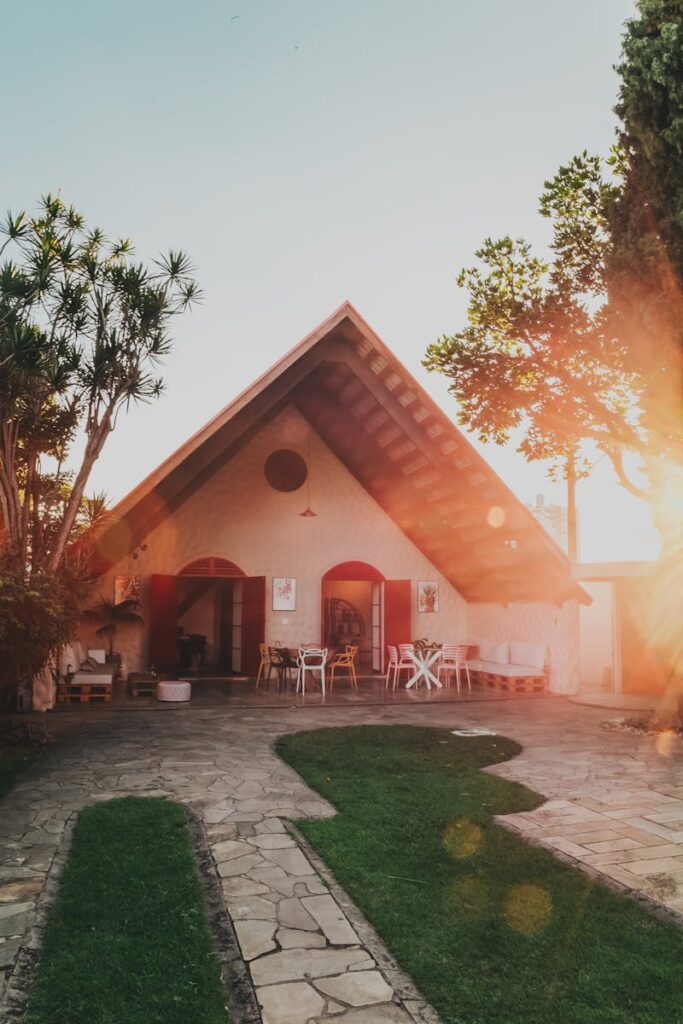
<point x="453" y="658"/>
<point x="311" y="659"/>
<point x="398" y="661"/>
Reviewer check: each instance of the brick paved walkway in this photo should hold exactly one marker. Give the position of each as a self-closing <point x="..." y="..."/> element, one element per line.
<point x="615" y="802"/>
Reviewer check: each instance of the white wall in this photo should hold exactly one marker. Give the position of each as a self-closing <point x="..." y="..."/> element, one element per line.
<point x="596" y="650"/>
<point x="557" y="627"/>
<point x="237" y="515"/>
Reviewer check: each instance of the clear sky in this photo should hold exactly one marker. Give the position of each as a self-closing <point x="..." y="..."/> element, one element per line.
<point x="304" y="152"/>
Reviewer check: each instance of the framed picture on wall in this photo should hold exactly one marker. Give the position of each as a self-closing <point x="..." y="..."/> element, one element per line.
<point x="428" y="595"/>
<point x="127" y="588"/>
<point x="284" y="594"/>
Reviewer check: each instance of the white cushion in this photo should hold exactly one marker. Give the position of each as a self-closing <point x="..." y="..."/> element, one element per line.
<point x="509" y="671"/>
<point x="489" y="650"/>
<point x="98" y="655"/>
<point x="527" y="654"/>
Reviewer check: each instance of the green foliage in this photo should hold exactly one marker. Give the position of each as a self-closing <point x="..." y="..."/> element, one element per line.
<point x="127" y="939"/>
<point x="651" y="109"/>
<point x="587" y="346"/>
<point x="491" y="928"/>
<point x="39" y="613"/>
<point x="83" y="329"/>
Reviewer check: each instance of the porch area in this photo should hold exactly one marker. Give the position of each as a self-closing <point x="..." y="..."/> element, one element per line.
<point x="223" y="692"/>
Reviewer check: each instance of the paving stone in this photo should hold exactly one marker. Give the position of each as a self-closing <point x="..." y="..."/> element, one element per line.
<point x="291" y="861"/>
<point x="239" y="865"/>
<point x="241" y="885"/>
<point x="295" y="938"/>
<point x="15" y="924"/>
<point x="292" y="1003"/>
<point x="255" y="937"/>
<point x="229" y="849"/>
<point x="251" y="907"/>
<point x="273" y="841"/>
<point x="12" y="892"/>
<point x="385" y="1013"/>
<point x="8" y="950"/>
<point x="325" y="910"/>
<point x="296" y="964"/>
<point x="292" y="914"/>
<point x="359" y="988"/>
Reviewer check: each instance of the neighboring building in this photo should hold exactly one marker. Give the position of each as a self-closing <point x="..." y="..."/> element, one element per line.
<point x="553" y="518"/>
<point x="317" y="505"/>
<point x="616" y="654"/>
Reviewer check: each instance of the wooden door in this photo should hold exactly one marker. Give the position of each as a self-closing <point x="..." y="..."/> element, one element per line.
<point x="397" y="617"/>
<point x="163" y="620"/>
<point x="253" y="622"/>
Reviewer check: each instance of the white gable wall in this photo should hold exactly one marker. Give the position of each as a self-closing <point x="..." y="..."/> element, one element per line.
<point x="237" y="515"/>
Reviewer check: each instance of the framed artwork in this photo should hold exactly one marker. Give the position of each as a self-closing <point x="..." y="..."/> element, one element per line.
<point x="127" y="588"/>
<point x="428" y="596"/>
<point x="284" y="594"/>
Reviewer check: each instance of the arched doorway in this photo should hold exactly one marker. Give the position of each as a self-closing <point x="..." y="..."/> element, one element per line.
<point x="207" y="619"/>
<point x="352" y="611"/>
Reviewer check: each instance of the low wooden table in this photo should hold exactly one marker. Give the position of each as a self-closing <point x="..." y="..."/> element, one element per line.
<point x="143" y="682"/>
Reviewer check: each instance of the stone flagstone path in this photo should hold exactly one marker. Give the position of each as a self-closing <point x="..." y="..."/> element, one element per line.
<point x="615" y="804"/>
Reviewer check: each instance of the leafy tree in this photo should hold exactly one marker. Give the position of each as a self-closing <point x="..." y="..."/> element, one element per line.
<point x="586" y="345"/>
<point x="83" y="328"/>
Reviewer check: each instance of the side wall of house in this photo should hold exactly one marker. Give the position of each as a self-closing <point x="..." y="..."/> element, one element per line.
<point x="237" y="515"/>
<point x="557" y="627"/>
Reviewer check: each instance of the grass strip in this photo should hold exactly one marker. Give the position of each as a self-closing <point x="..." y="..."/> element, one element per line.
<point x="498" y="931"/>
<point x="127" y="940"/>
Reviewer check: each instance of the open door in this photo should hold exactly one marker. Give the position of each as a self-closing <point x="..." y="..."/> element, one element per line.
<point x="163" y="619"/>
<point x="397" y="618"/>
<point x="253" y="622"/>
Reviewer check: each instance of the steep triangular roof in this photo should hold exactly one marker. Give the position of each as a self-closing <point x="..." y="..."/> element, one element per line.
<point x="396" y="441"/>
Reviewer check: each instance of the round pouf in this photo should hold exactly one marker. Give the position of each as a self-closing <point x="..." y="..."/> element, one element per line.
<point x="174" y="690"/>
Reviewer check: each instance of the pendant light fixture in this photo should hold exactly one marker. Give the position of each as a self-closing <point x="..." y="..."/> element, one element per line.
<point x="308" y="512"/>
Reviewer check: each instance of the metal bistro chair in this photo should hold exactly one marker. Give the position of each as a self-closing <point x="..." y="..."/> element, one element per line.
<point x="284" y="665"/>
<point x="454" y="657"/>
<point x="311" y="659"/>
<point x="346" y="661"/>
<point x="399" y="662"/>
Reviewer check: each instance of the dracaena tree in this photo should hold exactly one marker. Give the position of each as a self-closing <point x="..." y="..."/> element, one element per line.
<point x="83" y="329"/>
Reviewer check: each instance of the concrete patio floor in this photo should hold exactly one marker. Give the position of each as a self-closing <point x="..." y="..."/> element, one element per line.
<point x="615" y="802"/>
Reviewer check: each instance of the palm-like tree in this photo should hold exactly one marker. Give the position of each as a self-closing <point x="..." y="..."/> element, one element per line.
<point x="112" y="616"/>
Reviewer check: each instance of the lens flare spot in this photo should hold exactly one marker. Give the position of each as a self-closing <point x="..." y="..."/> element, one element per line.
<point x="471" y="896"/>
<point x="462" y="838"/>
<point x="665" y="742"/>
<point x="527" y="908"/>
<point x="496" y="517"/>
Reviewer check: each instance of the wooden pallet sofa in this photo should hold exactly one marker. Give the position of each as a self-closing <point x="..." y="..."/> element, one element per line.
<point x="92" y="683"/>
<point x="511" y="666"/>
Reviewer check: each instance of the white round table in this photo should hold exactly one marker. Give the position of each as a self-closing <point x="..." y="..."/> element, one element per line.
<point x="175" y="690"/>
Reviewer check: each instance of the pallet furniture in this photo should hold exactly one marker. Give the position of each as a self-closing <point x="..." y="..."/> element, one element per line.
<point x="143" y="683"/>
<point x="511" y="666"/>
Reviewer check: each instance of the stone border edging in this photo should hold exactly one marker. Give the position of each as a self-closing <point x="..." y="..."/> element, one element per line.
<point x="239" y="992"/>
<point x="15" y="999"/>
<point x="404" y="987"/>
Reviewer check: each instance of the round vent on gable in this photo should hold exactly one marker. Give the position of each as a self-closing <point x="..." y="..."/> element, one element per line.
<point x="285" y="470"/>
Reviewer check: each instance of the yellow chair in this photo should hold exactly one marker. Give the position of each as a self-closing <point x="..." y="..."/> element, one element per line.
<point x="345" y="661"/>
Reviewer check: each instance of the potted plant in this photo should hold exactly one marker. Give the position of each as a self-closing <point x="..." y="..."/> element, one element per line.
<point x="112" y="616"/>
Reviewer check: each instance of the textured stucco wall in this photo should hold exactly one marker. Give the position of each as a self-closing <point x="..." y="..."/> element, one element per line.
<point x="238" y="516"/>
<point x="558" y="628"/>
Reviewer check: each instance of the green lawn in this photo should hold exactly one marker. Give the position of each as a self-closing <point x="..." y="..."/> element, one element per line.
<point x="493" y="930"/>
<point x="127" y="939"/>
<point x="13" y="761"/>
